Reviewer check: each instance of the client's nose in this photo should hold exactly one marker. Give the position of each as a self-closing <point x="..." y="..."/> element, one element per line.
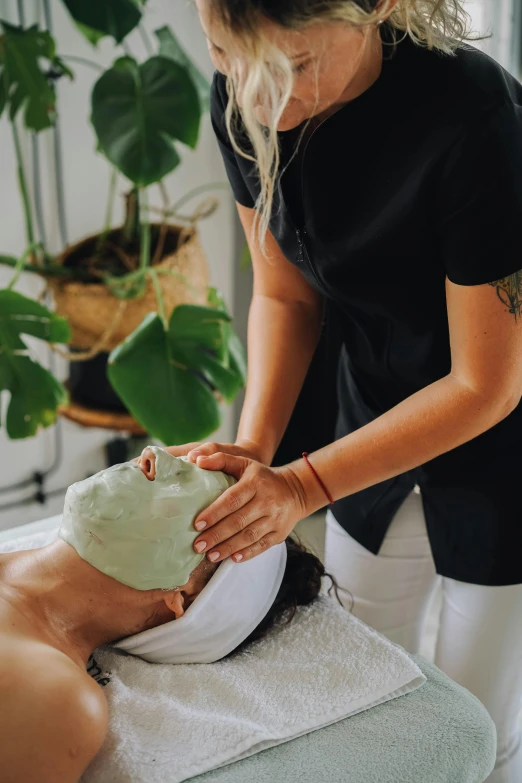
<point x="147" y="463"/>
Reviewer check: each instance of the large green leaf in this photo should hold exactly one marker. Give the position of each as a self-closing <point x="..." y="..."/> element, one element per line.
<point x="35" y="393"/>
<point x="182" y="368"/>
<point x="137" y="113"/>
<point x="192" y="325"/>
<point x="25" y="58"/>
<point x="97" y="18"/>
<point x="171" y="48"/>
<point x="172" y="404"/>
<point x="216" y="301"/>
<point x="199" y="341"/>
<point x="93" y="36"/>
<point x="237" y="360"/>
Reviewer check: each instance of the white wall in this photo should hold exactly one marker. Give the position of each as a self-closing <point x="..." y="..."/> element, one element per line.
<point x="85" y="178"/>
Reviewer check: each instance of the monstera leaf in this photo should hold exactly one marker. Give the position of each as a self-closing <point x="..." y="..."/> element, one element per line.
<point x="171" y="48"/>
<point x="97" y="18"/>
<point x="236" y="359"/>
<point x="35" y="393"/>
<point x="137" y="113"/>
<point x="25" y="58"/>
<point x="167" y="376"/>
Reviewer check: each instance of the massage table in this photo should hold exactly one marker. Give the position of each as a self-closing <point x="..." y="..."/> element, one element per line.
<point x="439" y="733"/>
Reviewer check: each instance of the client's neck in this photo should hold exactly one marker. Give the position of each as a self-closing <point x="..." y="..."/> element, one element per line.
<point x="71" y="604"/>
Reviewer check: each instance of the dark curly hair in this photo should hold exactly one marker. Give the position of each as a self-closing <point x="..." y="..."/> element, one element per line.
<point x="300" y="586"/>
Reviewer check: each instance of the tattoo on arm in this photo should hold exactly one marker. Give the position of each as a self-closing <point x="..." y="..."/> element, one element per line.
<point x="509" y="291"/>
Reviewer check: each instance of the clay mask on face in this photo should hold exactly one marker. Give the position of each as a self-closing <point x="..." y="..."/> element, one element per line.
<point x="137" y="531"/>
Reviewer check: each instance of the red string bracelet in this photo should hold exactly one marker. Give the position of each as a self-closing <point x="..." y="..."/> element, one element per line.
<point x="316" y="474"/>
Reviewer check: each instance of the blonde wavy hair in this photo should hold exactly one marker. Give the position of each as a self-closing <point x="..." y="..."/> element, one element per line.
<point x="434" y="24"/>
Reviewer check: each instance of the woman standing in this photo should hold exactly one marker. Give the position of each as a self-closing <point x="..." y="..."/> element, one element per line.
<point x="376" y="160"/>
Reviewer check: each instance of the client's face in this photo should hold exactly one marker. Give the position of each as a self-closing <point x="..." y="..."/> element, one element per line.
<point x="137" y="527"/>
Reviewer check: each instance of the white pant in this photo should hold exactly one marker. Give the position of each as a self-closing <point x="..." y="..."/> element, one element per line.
<point x="479" y="642"/>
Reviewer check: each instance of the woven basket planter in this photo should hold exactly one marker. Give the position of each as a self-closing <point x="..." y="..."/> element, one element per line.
<point x="90" y="307"/>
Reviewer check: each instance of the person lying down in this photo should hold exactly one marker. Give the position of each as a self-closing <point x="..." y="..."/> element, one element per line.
<point x="123" y="571"/>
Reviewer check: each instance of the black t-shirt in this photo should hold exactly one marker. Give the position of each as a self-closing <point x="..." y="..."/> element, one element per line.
<point x="416" y="180"/>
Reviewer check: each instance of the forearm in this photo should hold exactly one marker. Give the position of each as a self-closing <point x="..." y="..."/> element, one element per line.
<point x="282" y="337"/>
<point x="435" y="420"/>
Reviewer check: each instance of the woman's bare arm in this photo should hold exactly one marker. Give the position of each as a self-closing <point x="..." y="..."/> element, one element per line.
<point x="283" y="330"/>
<point x="484" y="386"/>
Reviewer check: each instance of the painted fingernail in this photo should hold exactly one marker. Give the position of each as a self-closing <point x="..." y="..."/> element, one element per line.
<point x="200" y="546"/>
<point x="200" y="525"/>
<point x="214" y="556"/>
<point x="238" y="558"/>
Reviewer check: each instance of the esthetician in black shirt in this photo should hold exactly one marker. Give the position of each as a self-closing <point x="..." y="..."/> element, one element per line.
<point x="376" y="161"/>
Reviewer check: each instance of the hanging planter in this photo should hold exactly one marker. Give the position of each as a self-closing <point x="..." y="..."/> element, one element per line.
<point x="97" y="316"/>
<point x="100" y="321"/>
<point x="140" y="291"/>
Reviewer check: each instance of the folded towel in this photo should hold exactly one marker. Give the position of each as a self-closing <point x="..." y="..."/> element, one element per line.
<point x="175" y="722"/>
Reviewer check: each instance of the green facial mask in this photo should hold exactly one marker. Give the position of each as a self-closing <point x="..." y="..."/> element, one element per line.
<point x="137" y="531"/>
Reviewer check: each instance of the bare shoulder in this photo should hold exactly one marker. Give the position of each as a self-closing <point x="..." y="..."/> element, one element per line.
<point x="54" y="716"/>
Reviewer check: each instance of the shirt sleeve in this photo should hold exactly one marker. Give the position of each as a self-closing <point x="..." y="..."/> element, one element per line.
<point x="480" y="227"/>
<point x="218" y="104"/>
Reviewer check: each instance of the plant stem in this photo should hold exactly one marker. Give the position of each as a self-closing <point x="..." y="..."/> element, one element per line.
<point x="159" y="296"/>
<point x="57" y="152"/>
<point x="110" y="203"/>
<point x="197" y="191"/>
<point x="126" y="48"/>
<point x="110" y="208"/>
<point x="83" y="61"/>
<point x="164" y="195"/>
<point x="19" y="263"/>
<point x="21" y="12"/>
<point x="146" y="40"/>
<point x="37" y="190"/>
<point x="50" y="270"/>
<point x="22" y="182"/>
<point x="132" y="216"/>
<point x="144" y="231"/>
<point x="18" y="271"/>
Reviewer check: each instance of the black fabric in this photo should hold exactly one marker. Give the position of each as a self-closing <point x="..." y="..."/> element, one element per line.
<point x="314" y="418"/>
<point x="418" y="179"/>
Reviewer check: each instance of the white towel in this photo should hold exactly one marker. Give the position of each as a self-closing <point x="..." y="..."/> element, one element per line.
<point x="171" y="723"/>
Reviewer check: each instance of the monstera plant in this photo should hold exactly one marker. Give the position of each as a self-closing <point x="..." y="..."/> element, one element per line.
<point x="137" y="294"/>
<point x="35" y="393"/>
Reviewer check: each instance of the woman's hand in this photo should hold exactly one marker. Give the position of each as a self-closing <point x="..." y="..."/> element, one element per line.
<point x="259" y="511"/>
<point x="241" y="448"/>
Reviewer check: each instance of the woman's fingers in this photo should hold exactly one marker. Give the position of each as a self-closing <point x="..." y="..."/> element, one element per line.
<point x="259" y="511"/>
<point x="228" y="503"/>
<point x="254" y="539"/>
<point x="237" y="531"/>
<point x="258" y="548"/>
<point x="182" y="451"/>
<point x="228" y="463"/>
<point x="204" y="450"/>
<point x="208" y="449"/>
<point x="237" y="450"/>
